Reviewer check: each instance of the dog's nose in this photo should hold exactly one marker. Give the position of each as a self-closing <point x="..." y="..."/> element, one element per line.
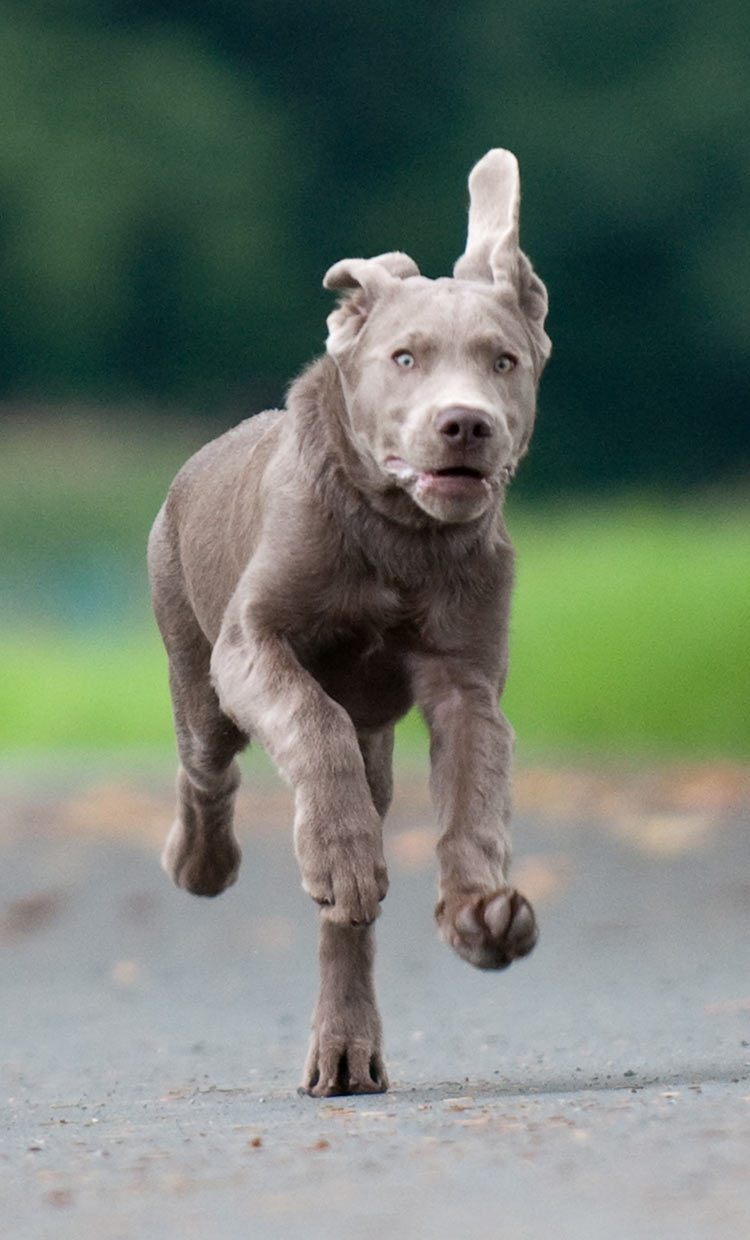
<point x="462" y="427"/>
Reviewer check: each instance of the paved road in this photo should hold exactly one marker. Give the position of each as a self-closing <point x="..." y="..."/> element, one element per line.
<point x="152" y="1042"/>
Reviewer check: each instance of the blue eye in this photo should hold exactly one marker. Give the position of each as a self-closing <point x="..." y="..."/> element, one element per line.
<point x="404" y="359"/>
<point x="504" y="363"/>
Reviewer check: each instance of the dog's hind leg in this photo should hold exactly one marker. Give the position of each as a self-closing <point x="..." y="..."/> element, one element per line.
<point x="201" y="853"/>
<point x="377" y="752"/>
<point x="346" y="1055"/>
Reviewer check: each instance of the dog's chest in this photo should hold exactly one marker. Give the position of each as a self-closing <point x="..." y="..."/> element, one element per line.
<point x="359" y="652"/>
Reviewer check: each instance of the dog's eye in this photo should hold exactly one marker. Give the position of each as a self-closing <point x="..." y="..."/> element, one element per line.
<point x="504" y="363"/>
<point x="404" y="359"/>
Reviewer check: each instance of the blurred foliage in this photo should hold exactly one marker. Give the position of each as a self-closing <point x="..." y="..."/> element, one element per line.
<point x="629" y="626"/>
<point x="175" y="179"/>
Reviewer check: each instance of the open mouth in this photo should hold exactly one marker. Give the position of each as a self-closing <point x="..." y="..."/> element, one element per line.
<point x="457" y="471"/>
<point x="452" y="482"/>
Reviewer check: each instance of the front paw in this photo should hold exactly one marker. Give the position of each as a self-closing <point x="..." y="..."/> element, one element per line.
<point x="490" y="930"/>
<point x="341" y="1062"/>
<point x="200" y="865"/>
<point x="344" y="870"/>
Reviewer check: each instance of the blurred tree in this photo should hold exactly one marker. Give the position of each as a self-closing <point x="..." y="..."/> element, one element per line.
<point x="176" y="178"/>
<point x="146" y="190"/>
<point x="632" y="121"/>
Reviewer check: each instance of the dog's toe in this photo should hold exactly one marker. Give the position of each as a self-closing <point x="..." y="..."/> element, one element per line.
<point x="337" y="1067"/>
<point x="349" y="894"/>
<point x="489" y="930"/>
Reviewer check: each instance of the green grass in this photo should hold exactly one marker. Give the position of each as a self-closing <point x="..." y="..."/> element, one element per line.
<point x="629" y="632"/>
<point x="631" y="629"/>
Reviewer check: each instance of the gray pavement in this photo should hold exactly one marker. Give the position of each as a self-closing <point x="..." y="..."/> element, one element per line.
<point x="151" y="1042"/>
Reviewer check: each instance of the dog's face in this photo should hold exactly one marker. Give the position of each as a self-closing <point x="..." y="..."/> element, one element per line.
<point x="440" y="376"/>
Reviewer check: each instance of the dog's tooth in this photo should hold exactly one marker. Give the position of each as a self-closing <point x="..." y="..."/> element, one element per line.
<point x="497" y="915"/>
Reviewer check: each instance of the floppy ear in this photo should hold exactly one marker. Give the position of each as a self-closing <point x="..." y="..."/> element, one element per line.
<point x="493" y="252"/>
<point x="532" y="298"/>
<point x="363" y="280"/>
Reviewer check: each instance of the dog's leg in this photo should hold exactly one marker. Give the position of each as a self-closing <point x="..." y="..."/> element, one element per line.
<point x="345" y="1055"/>
<point x="313" y="743"/>
<point x="482" y="917"/>
<point x="377" y="752"/>
<point x="201" y="853"/>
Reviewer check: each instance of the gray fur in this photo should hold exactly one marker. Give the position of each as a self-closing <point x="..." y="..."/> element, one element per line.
<point x="314" y="575"/>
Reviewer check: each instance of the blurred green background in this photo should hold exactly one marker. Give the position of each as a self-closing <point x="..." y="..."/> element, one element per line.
<point x="174" y="181"/>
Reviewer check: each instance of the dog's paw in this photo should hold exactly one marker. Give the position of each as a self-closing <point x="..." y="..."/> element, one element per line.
<point x="205" y="867"/>
<point x="348" y="891"/>
<point x="344" y="872"/>
<point x="490" y="930"/>
<point x="339" y="1065"/>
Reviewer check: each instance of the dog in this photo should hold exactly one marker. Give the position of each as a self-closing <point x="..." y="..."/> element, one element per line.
<point x="318" y="570"/>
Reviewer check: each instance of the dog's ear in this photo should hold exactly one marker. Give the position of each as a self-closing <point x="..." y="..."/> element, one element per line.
<point x="362" y="280"/>
<point x="375" y="273"/>
<point x="494" y="201"/>
<point x="493" y="252"/>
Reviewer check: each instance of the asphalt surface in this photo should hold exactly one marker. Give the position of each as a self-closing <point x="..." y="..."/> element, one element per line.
<point x="152" y="1042"/>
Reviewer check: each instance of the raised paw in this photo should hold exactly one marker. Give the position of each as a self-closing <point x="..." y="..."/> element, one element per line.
<point x="490" y="930"/>
<point x="205" y="867"/>
<point x="343" y="1065"/>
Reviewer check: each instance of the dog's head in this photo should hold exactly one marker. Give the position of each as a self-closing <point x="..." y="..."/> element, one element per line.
<point x="440" y="376"/>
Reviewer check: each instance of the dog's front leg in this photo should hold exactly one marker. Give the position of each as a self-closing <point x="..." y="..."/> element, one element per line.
<point x="312" y="741"/>
<point x="482" y="917"/>
<point x="345" y="1055"/>
<point x="346" y="1044"/>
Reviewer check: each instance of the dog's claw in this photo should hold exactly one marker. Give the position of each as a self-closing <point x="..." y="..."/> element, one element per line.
<point x="340" y="1066"/>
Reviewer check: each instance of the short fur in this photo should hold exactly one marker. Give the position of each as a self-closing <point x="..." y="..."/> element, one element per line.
<point x="315" y="573"/>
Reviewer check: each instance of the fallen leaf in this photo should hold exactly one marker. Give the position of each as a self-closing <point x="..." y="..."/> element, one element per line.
<point x="666" y="835"/>
<point x="458" y="1104"/>
<point x="31" y="913"/>
<point x="125" y="973"/>
<point x="59" y="1197"/>
<point x="728" y="1005"/>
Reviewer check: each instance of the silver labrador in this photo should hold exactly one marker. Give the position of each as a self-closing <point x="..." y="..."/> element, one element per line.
<point x="318" y="570"/>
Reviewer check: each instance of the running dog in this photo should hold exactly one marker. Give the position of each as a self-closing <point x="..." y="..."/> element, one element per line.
<point x="319" y="569"/>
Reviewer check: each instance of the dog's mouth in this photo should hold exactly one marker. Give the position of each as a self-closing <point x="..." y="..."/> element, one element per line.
<point x="453" y="481"/>
<point x="457" y="471"/>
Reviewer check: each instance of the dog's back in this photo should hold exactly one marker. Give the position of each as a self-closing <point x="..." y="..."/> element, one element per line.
<point x="205" y="531"/>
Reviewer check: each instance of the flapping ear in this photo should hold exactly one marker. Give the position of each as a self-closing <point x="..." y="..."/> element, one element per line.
<point x="363" y="280"/>
<point x="493" y="252"/>
<point x="492" y="241"/>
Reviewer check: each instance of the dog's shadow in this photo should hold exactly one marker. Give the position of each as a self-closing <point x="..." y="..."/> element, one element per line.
<point x="478" y="1091"/>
